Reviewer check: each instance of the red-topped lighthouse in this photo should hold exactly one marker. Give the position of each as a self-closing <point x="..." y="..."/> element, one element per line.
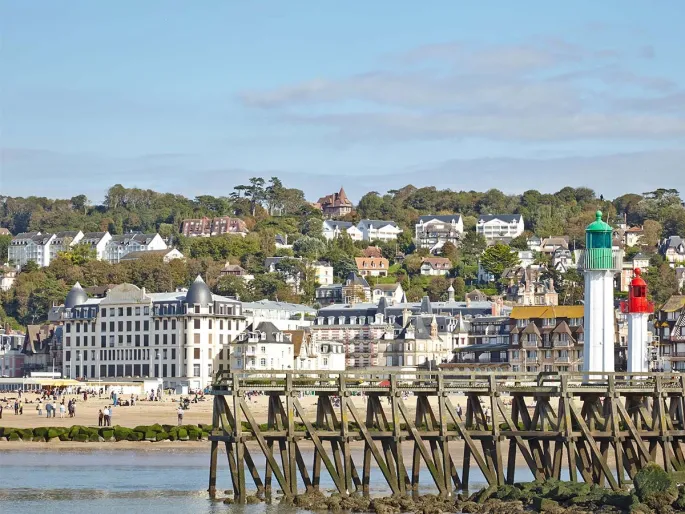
<point x="637" y="310"/>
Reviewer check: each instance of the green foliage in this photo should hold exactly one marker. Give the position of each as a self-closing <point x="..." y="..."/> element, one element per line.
<point x="497" y="258"/>
<point x="655" y="487"/>
<point x="309" y="247"/>
<point x="4" y="245"/>
<point x="79" y="254"/>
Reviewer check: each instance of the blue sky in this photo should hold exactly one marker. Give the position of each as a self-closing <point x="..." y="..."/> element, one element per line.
<point x="196" y="97"/>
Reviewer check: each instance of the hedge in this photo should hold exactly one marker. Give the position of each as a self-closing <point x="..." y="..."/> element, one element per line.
<point x="82" y="433"/>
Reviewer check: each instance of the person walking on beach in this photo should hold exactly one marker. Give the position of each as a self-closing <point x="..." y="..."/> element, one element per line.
<point x="21" y="409"/>
<point x="39" y="408"/>
<point x="101" y="417"/>
<point x="16" y="407"/>
<point x="0" y="411"/>
<point x="62" y="409"/>
<point x="179" y="412"/>
<point x="54" y="409"/>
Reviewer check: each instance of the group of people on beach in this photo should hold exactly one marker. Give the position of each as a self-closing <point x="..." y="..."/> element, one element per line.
<point x="105" y="416"/>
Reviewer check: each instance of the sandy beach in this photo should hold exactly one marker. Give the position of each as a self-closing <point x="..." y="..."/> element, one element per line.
<point x="162" y="412"/>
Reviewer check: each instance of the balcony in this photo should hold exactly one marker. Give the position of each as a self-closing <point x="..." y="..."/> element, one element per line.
<point x="525" y="343"/>
<point x="562" y="360"/>
<point x="250" y="352"/>
<point x="601" y="259"/>
<point x="675" y="356"/>
<point x="562" y="343"/>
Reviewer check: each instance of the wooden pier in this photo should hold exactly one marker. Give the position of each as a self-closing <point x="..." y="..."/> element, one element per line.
<point x="599" y="428"/>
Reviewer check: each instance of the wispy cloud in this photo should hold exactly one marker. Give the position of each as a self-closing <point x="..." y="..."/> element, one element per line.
<point x="547" y="90"/>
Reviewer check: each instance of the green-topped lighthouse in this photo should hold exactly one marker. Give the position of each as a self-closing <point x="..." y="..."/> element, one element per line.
<point x="599" y="263"/>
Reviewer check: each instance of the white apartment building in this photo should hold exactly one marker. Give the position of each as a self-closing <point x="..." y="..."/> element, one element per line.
<point x="378" y="230"/>
<point x="30" y="246"/>
<point x="132" y="333"/>
<point x="63" y="242"/>
<point x="118" y="246"/>
<point x="365" y="230"/>
<point x="331" y="229"/>
<point x="432" y="231"/>
<point x="97" y="241"/>
<point x="502" y="227"/>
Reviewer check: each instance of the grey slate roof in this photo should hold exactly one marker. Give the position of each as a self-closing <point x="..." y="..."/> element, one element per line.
<point x="446" y="218"/>
<point x="508" y="218"/>
<point x="378" y="223"/>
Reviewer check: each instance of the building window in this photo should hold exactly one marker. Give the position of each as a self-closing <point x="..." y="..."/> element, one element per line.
<point x="196" y="370"/>
<point x="262" y="362"/>
<point x="196" y="324"/>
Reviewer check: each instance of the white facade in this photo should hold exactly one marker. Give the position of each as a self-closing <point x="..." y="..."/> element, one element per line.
<point x="30" y="246"/>
<point x="321" y="355"/>
<point x="393" y="293"/>
<point x="324" y="273"/>
<point x="97" y="242"/>
<point x="599" y="321"/>
<point x="433" y="232"/>
<point x="638" y="342"/>
<point x="285" y="316"/>
<point x="7" y="278"/>
<point x="131" y="333"/>
<point x="118" y="246"/>
<point x="500" y="227"/>
<point x="378" y="230"/>
<point x="262" y="347"/>
<point x="332" y="229"/>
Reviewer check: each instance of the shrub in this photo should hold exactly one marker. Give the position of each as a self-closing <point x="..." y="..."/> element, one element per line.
<point x="74" y="431"/>
<point x="654" y="487"/>
<point x="182" y="434"/>
<point x="40" y="431"/>
<point x="155" y="428"/>
<point x="53" y="432"/>
<point x="150" y="435"/>
<point x="121" y="433"/>
<point x="94" y="438"/>
<point x="107" y="434"/>
<point x="64" y="437"/>
<point x="161" y="436"/>
<point x="38" y="439"/>
<point x="81" y="438"/>
<point x="173" y="436"/>
<point x="26" y="433"/>
<point x="193" y="436"/>
<point x="14" y="436"/>
<point x="141" y="428"/>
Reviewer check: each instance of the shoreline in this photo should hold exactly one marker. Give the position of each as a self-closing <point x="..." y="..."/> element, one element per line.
<point x="76" y="446"/>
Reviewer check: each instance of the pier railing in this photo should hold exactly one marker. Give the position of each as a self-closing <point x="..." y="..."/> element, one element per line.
<point x="598" y="427"/>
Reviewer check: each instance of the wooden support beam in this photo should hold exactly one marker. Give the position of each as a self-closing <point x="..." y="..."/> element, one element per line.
<point x="593" y="447"/>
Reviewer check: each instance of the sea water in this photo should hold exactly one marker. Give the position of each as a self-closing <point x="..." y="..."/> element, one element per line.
<point x="137" y="482"/>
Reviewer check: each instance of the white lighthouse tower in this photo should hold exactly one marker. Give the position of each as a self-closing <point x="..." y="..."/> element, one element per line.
<point x="637" y="310"/>
<point x="599" y="263"/>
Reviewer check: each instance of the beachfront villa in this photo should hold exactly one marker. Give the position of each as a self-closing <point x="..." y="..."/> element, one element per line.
<point x="179" y="336"/>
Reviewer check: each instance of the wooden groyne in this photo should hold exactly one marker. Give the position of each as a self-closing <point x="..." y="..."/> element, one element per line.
<point x="597" y="428"/>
